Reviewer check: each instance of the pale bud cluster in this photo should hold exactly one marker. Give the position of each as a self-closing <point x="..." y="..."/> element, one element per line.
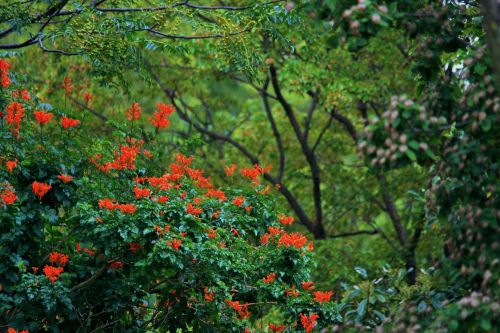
<point x="362" y="9"/>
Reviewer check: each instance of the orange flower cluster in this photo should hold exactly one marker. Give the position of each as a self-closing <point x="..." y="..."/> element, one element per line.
<point x="254" y="173"/>
<point x="239" y="200"/>
<point x="308" y="285"/>
<point x="109" y="204"/>
<point x="160" y="117"/>
<point x="4" y="73"/>
<point x="141" y="192"/>
<point x="58" y="258"/>
<point x="230" y="170"/>
<point x="65" y="178"/>
<point x="219" y="194"/>
<point x="67" y="86"/>
<point x="276" y="328"/>
<point x="52" y="273"/>
<point x="211" y="233"/>
<point x="134" y="247"/>
<point x="125" y="158"/>
<point x="11" y="165"/>
<point x="40" y="189"/>
<point x="208" y="295"/>
<point x="191" y="209"/>
<point x="42" y="118"/>
<point x="286" y="220"/>
<point x="294" y="239"/>
<point x="175" y="244"/>
<point x="270" y="278"/>
<point x="13" y="330"/>
<point x="87" y="97"/>
<point x="322" y="296"/>
<point x="161" y="231"/>
<point x="116" y="265"/>
<point x="15" y="113"/>
<point x="8" y="197"/>
<point x="293" y="292"/>
<point x="134" y="112"/>
<point x="69" y="122"/>
<point x="241" y="309"/>
<point x="308" y="322"/>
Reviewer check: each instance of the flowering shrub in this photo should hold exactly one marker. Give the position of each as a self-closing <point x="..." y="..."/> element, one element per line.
<point x="101" y="238"/>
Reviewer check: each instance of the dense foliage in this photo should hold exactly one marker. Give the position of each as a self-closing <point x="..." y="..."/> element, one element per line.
<point x="373" y="125"/>
<point x="101" y="236"/>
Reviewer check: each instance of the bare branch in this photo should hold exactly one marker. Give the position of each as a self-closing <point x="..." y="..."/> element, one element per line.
<point x="276" y="133"/>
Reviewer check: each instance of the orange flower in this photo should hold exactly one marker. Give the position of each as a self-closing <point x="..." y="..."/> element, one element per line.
<point x="230" y="169"/>
<point x="294" y="239"/>
<point x="67" y="86"/>
<point x="88" y="251"/>
<point x="239" y="200"/>
<point x="4" y="73"/>
<point x="292" y="292"/>
<point x="160" y="117"/>
<point x="116" y="265"/>
<point x="286" y="220"/>
<point x="87" y="97"/>
<point x="322" y="296"/>
<point x="308" y="322"/>
<point x="174" y="244"/>
<point x="264" y="239"/>
<point x="141" y="192"/>
<point x="42" y="118"/>
<point x="212" y="193"/>
<point x="211" y="233"/>
<point x="52" y="273"/>
<point x="254" y="172"/>
<point x="127" y="208"/>
<point x="25" y="95"/>
<point x="208" y="295"/>
<point x="241" y="309"/>
<point x="134" y="112"/>
<point x="8" y="197"/>
<point x="308" y="285"/>
<point x="193" y="210"/>
<point x="216" y="214"/>
<point x="134" y="247"/>
<point x="270" y="278"/>
<point x="276" y="328"/>
<point x="40" y="189"/>
<point x="15" y="114"/>
<point x="65" y="178"/>
<point x="58" y="258"/>
<point x="273" y="230"/>
<point x="68" y="122"/>
<point x="162" y="199"/>
<point x="265" y="190"/>
<point x="106" y="203"/>
<point x="13" y="330"/>
<point x="11" y="165"/>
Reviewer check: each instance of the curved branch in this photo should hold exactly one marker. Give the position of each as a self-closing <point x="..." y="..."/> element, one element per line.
<point x="164" y="35"/>
<point x="355" y="233"/>
<point x="44" y="49"/>
<point x="306" y="150"/>
<point x="276" y="133"/>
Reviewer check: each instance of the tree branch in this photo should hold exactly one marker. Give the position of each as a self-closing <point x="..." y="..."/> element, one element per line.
<point x="355" y="233"/>
<point x="276" y="133"/>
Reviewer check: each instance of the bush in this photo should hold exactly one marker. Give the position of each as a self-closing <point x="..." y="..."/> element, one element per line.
<point x="98" y="235"/>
